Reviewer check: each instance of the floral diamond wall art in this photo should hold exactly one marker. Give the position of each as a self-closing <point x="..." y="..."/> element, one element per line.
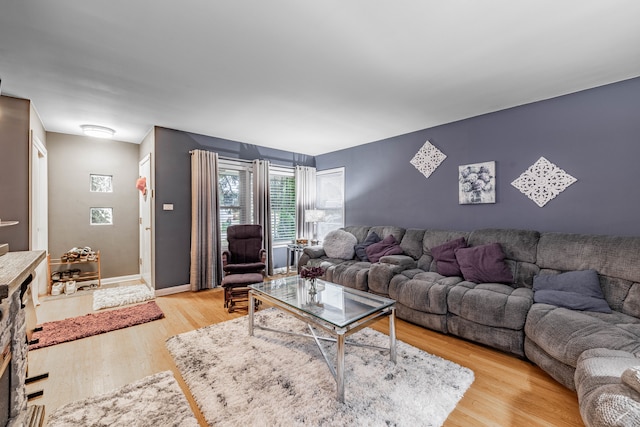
<point x="477" y="183"/>
<point x="543" y="181"/>
<point x="427" y="159"/>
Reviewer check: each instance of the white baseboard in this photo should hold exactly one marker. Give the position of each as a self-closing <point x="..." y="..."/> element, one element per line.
<point x="173" y="290"/>
<point x="112" y="280"/>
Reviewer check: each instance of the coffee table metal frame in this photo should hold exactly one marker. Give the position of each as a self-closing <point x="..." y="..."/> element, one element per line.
<point x="340" y="332"/>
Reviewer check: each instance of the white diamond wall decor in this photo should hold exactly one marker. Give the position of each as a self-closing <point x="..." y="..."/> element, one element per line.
<point x="543" y="181"/>
<point x="427" y="159"/>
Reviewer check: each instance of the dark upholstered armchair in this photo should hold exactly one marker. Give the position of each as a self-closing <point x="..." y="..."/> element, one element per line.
<point x="245" y="253"/>
<point x="244" y="263"/>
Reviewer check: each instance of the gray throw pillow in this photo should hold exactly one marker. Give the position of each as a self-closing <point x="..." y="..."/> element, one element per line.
<point x="339" y="244"/>
<point x="576" y="290"/>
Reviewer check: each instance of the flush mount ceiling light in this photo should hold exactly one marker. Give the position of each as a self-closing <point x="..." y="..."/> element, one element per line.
<point x="97" y="131"/>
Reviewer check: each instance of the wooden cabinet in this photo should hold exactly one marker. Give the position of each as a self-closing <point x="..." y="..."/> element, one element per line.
<point x="73" y="270"/>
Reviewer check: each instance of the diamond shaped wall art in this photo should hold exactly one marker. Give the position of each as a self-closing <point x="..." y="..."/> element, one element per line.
<point x="427" y="159"/>
<point x="543" y="181"/>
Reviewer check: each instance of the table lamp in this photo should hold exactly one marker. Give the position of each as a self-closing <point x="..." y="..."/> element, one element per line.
<point x="315" y="216"/>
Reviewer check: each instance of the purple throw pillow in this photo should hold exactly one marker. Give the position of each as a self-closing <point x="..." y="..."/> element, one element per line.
<point x="387" y="246"/>
<point x="445" y="257"/>
<point x="484" y="264"/>
<point x="360" y="247"/>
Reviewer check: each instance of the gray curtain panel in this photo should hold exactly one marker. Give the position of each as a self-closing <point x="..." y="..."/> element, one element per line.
<point x="206" y="254"/>
<point x="262" y="207"/>
<point x="305" y="198"/>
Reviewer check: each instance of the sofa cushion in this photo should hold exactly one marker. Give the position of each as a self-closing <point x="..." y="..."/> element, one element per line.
<point x="605" y="400"/>
<point x="360" y="247"/>
<point x="631" y="376"/>
<point x="491" y="304"/>
<point x="577" y="290"/>
<point x="387" y="246"/>
<point x="339" y="244"/>
<point x="445" y="257"/>
<point x="564" y="334"/>
<point x="484" y="264"/>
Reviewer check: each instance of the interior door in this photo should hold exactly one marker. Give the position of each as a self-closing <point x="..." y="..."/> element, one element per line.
<point x="145" y="222"/>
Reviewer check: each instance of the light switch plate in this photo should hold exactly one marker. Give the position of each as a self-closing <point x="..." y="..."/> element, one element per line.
<point x="167" y="207"/>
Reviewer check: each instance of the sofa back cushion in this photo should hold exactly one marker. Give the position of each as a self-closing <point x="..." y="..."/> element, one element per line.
<point x="615" y="258"/>
<point x="388" y="230"/>
<point x="411" y="243"/>
<point x="360" y="231"/>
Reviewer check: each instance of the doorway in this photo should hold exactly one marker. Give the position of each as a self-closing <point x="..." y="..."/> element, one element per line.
<point x="39" y="228"/>
<point x="145" y="222"/>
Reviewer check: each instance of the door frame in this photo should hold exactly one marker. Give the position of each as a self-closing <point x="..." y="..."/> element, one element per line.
<point x="38" y="210"/>
<point x="145" y="168"/>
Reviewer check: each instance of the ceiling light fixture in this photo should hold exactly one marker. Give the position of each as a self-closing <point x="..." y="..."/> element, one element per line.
<point x="97" y="131"/>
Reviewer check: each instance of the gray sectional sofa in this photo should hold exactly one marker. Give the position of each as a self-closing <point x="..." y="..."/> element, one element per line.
<point x="587" y="351"/>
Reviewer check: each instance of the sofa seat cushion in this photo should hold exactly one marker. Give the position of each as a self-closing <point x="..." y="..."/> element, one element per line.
<point x="426" y="292"/>
<point x="604" y="400"/>
<point x="564" y="334"/>
<point x="491" y="304"/>
<point x="352" y="274"/>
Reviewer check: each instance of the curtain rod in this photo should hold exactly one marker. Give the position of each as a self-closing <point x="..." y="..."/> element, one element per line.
<point x="225" y="158"/>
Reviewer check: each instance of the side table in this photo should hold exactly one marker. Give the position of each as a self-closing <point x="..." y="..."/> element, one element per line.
<point x="295" y="250"/>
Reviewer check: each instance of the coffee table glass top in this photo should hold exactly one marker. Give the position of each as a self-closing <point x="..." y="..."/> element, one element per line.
<point x="335" y="304"/>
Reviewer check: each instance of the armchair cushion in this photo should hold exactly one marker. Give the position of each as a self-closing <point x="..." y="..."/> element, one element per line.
<point x="250" y="267"/>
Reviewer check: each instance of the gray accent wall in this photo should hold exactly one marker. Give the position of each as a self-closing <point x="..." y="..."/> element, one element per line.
<point x="14" y="171"/>
<point x="173" y="186"/>
<point x="593" y="135"/>
<point x="71" y="160"/>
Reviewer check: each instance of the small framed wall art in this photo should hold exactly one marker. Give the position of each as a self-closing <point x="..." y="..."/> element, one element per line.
<point x="477" y="183"/>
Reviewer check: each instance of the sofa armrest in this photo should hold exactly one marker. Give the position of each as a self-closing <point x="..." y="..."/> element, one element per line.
<point x="404" y="261"/>
<point x="314" y="251"/>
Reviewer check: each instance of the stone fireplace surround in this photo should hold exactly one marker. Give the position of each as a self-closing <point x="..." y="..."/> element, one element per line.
<point x="16" y="272"/>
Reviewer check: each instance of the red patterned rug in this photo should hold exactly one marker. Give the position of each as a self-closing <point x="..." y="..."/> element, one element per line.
<point x="94" y="323"/>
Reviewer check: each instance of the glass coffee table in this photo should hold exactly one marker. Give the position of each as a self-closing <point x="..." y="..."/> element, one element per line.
<point x="338" y="310"/>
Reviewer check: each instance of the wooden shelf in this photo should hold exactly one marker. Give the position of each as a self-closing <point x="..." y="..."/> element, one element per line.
<point x="53" y="265"/>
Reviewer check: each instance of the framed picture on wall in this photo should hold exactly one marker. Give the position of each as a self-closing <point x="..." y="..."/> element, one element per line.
<point x="477" y="183"/>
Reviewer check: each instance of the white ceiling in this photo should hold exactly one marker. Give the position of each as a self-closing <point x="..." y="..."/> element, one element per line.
<point x="305" y="76"/>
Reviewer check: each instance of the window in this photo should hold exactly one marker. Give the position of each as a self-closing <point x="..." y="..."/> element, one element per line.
<point x="100" y="183"/>
<point x="101" y="216"/>
<point x="283" y="205"/>
<point x="330" y="198"/>
<point x="235" y="191"/>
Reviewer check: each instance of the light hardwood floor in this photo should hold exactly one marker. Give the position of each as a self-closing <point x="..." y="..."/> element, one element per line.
<point x="507" y="391"/>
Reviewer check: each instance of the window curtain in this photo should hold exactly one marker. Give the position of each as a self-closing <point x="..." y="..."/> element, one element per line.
<point x="305" y="199"/>
<point x="206" y="255"/>
<point x="262" y="207"/>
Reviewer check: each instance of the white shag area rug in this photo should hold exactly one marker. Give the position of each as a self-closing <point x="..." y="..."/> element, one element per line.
<point x="153" y="401"/>
<point x="278" y="379"/>
<point x="121" y="295"/>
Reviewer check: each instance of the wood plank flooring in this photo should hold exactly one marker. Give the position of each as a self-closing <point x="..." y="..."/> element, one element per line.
<point x="506" y="392"/>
